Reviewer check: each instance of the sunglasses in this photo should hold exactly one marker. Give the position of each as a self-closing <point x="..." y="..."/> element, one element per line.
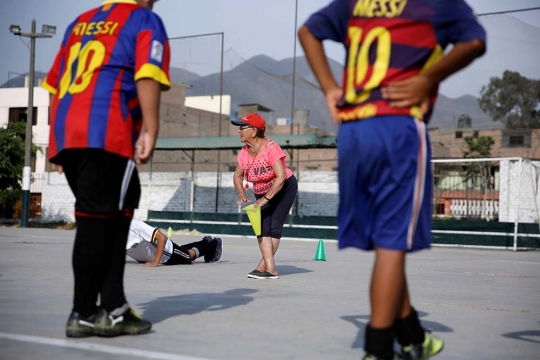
<point x="243" y="127"/>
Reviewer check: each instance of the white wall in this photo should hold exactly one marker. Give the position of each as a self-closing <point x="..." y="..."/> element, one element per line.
<point x="209" y="103"/>
<point x="317" y="194"/>
<point x="519" y="190"/>
<point x="18" y="98"/>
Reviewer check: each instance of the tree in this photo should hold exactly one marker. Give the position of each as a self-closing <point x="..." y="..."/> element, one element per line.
<point x="512" y="99"/>
<point x="480" y="148"/>
<point x="12" y="145"/>
<point x="12" y="150"/>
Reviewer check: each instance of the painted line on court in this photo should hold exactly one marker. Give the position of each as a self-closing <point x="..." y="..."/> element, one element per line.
<point x="478" y="307"/>
<point x="108" y="349"/>
<point x="477" y="273"/>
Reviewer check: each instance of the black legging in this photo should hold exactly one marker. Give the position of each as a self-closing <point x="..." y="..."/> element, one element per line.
<point x="274" y="214"/>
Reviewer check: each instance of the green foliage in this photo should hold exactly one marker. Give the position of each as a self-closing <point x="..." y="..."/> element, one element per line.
<point x="12" y="146"/>
<point x="479" y="148"/>
<point x="512" y="99"/>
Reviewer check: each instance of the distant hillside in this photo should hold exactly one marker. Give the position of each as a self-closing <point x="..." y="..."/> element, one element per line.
<point x="268" y="82"/>
<point x="19" y="80"/>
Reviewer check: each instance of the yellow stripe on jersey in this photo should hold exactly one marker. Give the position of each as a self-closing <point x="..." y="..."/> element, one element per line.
<point x="154" y="72"/>
<point x="48" y="87"/>
<point x="153" y="240"/>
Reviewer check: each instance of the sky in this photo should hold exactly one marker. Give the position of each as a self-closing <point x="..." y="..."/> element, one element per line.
<point x="264" y="27"/>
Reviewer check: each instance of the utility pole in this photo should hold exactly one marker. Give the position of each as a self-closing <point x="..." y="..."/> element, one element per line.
<point x="47" y="32"/>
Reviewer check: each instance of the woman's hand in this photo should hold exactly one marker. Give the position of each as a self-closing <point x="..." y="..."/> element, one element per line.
<point x="242" y="199"/>
<point x="260" y="202"/>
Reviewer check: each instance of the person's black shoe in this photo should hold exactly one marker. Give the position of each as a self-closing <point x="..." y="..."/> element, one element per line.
<point x="219" y="251"/>
<point x="79" y="326"/>
<point x="264" y="275"/>
<point x="254" y="274"/>
<point x="129" y="323"/>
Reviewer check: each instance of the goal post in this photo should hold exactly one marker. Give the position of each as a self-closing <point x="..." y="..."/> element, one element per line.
<point x="502" y="192"/>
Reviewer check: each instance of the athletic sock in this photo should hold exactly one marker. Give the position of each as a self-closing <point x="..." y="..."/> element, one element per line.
<point x="409" y="330"/>
<point x="87" y="261"/>
<point x="380" y="342"/>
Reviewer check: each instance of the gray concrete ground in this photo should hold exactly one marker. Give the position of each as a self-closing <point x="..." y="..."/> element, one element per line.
<point x="484" y="303"/>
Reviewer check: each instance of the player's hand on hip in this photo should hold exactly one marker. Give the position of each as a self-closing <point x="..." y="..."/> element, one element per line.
<point x="333" y="96"/>
<point x="145" y="148"/>
<point x="58" y="168"/>
<point x="414" y="91"/>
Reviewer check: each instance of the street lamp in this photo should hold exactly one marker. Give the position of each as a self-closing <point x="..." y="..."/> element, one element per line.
<point x="47" y="32"/>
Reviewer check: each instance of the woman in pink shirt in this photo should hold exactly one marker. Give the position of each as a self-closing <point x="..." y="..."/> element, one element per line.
<point x="262" y="162"/>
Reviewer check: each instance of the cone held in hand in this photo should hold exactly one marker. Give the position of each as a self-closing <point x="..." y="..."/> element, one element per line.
<point x="319" y="255"/>
<point x="254" y="216"/>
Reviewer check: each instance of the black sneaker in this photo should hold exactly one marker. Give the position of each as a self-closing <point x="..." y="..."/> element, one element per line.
<point x="219" y="251"/>
<point x="265" y="275"/>
<point x="129" y="323"/>
<point x="254" y="274"/>
<point x="79" y="326"/>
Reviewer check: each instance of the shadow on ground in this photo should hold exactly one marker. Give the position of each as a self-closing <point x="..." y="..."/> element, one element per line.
<point x="167" y="307"/>
<point x="361" y="322"/>
<point x="290" y="270"/>
<point x="525" y="335"/>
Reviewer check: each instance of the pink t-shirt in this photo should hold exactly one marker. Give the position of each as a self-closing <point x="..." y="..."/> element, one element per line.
<point x="259" y="170"/>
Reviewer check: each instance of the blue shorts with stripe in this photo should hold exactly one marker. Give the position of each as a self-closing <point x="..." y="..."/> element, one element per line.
<point x="385" y="184"/>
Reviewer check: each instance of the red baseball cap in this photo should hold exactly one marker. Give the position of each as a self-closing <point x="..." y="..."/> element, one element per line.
<point x="252" y="119"/>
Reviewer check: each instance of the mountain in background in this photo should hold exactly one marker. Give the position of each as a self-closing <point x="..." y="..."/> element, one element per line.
<point x="268" y="82"/>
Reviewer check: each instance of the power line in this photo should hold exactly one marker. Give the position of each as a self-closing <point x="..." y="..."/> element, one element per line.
<point x="508" y="11"/>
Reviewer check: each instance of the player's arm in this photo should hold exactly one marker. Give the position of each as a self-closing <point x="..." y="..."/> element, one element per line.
<point x="416" y="90"/>
<point x="161" y="241"/>
<point x="314" y="50"/>
<point x="149" y="93"/>
<point x="238" y="180"/>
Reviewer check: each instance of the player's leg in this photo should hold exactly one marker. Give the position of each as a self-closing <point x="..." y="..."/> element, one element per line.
<point x="416" y="342"/>
<point x="387" y="286"/>
<point x="89" y="246"/>
<point x="115" y="193"/>
<point x="187" y="253"/>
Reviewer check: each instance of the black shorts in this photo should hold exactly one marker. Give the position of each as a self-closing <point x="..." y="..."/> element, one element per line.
<point x="179" y="256"/>
<point x="102" y="182"/>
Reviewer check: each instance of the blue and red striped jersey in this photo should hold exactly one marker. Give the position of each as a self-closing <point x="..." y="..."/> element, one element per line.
<point x="93" y="78"/>
<point x="388" y="41"/>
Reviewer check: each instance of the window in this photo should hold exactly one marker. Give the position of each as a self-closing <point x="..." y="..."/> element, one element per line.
<point x="19" y="115"/>
<point x="516" y="139"/>
<point x="459" y="134"/>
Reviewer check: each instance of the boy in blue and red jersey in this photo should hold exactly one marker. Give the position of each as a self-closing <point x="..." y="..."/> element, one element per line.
<point x="394" y="64"/>
<point x="105" y="84"/>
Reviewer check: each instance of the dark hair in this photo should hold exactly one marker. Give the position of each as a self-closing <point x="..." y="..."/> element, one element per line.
<point x="260" y="133"/>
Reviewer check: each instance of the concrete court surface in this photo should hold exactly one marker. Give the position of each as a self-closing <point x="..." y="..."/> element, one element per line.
<point x="484" y="303"/>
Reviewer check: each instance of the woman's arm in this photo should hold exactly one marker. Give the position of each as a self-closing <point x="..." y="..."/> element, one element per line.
<point x="281" y="176"/>
<point x="238" y="180"/>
